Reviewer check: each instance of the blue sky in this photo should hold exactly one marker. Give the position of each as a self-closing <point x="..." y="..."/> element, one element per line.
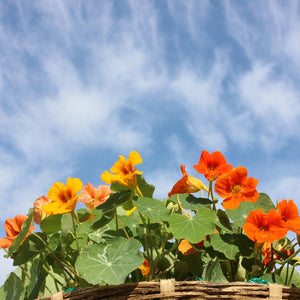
<point x="82" y="82"/>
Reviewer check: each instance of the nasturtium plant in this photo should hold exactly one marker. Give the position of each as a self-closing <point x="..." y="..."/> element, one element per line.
<point x="226" y="232"/>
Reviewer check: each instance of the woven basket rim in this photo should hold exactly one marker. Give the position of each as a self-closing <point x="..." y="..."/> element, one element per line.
<point x="171" y="289"/>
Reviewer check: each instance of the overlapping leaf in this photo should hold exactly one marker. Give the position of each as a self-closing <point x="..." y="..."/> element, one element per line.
<point x="154" y="209"/>
<point x="195" y="228"/>
<point x="110" y="262"/>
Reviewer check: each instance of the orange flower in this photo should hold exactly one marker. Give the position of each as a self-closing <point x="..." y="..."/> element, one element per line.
<point x="123" y="171"/>
<point x="39" y="213"/>
<point x="186" y="248"/>
<point x="235" y="187"/>
<point x="13" y="228"/>
<point x="187" y="184"/>
<point x="93" y="197"/>
<point x="267" y="253"/>
<point x="261" y="227"/>
<point x="63" y="197"/>
<point x="145" y="268"/>
<point x="212" y="165"/>
<point x="289" y="215"/>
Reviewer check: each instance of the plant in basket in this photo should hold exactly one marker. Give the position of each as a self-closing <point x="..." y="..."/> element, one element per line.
<point x="124" y="235"/>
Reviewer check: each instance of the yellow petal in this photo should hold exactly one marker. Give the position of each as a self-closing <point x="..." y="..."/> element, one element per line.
<point x="135" y="158"/>
<point x="197" y="183"/>
<point x="55" y="191"/>
<point x="74" y="184"/>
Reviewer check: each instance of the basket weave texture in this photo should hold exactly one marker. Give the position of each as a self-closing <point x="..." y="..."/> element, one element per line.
<point x="171" y="289"/>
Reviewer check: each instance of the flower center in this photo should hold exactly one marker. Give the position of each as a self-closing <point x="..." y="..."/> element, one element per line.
<point x="236" y="189"/>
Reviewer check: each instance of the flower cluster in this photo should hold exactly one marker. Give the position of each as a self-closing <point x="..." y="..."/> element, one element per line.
<point x="231" y="232"/>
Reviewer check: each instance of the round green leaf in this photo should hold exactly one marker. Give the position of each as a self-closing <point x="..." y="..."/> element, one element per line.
<point x="195" y="228"/>
<point x="240" y="214"/>
<point x="110" y="262"/>
<point x="265" y="203"/>
<point x="154" y="209"/>
<point x="51" y="224"/>
<point x="231" y="244"/>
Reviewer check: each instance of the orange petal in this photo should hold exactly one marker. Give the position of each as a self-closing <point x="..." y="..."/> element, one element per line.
<point x="186" y="248"/>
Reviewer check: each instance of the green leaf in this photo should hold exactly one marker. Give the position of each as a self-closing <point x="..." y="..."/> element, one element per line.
<point x="21" y="236"/>
<point x="111" y="262"/>
<point x="100" y="220"/>
<point x="272" y="277"/>
<point x="13" y="288"/>
<point x="67" y="222"/>
<point x="37" y="275"/>
<point x="154" y="209"/>
<point x="265" y="203"/>
<point x="30" y="248"/>
<point x="83" y="214"/>
<point x="240" y="214"/>
<point x="195" y="228"/>
<point x="231" y="244"/>
<point x="51" y="224"/>
<point x="189" y="201"/>
<point x="146" y="188"/>
<point x="223" y="220"/>
<point x="213" y="271"/>
<point x="98" y="235"/>
<point x="114" y="201"/>
<point x="288" y="280"/>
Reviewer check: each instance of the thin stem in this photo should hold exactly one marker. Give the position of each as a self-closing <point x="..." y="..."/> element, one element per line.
<point x="123" y="228"/>
<point x="74" y="217"/>
<point x="180" y="206"/>
<point x="212" y="195"/>
<point x="138" y="191"/>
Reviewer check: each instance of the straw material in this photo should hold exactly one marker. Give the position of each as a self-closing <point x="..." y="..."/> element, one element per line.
<point x="171" y="289"/>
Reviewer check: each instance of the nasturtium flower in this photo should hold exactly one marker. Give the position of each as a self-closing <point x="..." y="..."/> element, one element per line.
<point x="235" y="187"/>
<point x="267" y="252"/>
<point x="13" y="228"/>
<point x="289" y="215"/>
<point x="39" y="213"/>
<point x="187" y="184"/>
<point x="123" y="170"/>
<point x="212" y="165"/>
<point x="63" y="197"/>
<point x="260" y="227"/>
<point x="145" y="268"/>
<point x="186" y="248"/>
<point x="93" y="197"/>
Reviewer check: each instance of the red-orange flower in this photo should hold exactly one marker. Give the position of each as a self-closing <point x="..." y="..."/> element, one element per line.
<point x="63" y="197"/>
<point x="93" y="197"/>
<point x="123" y="171"/>
<point x="289" y="215"/>
<point x="13" y="228"/>
<point x="235" y="187"/>
<point x="267" y="253"/>
<point x="212" y="165"/>
<point x="261" y="227"/>
<point x="187" y="184"/>
<point x="39" y="213"/>
<point x="145" y="268"/>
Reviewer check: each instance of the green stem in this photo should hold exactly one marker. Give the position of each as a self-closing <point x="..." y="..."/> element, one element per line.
<point x="74" y="217"/>
<point x="212" y="195"/>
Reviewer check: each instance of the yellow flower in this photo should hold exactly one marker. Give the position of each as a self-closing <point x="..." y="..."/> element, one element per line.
<point x="63" y="197"/>
<point x="123" y="171"/>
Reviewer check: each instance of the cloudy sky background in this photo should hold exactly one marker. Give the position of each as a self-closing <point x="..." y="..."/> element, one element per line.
<point x="82" y="82"/>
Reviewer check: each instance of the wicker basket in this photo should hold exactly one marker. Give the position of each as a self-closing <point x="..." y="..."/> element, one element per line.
<point x="170" y="289"/>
